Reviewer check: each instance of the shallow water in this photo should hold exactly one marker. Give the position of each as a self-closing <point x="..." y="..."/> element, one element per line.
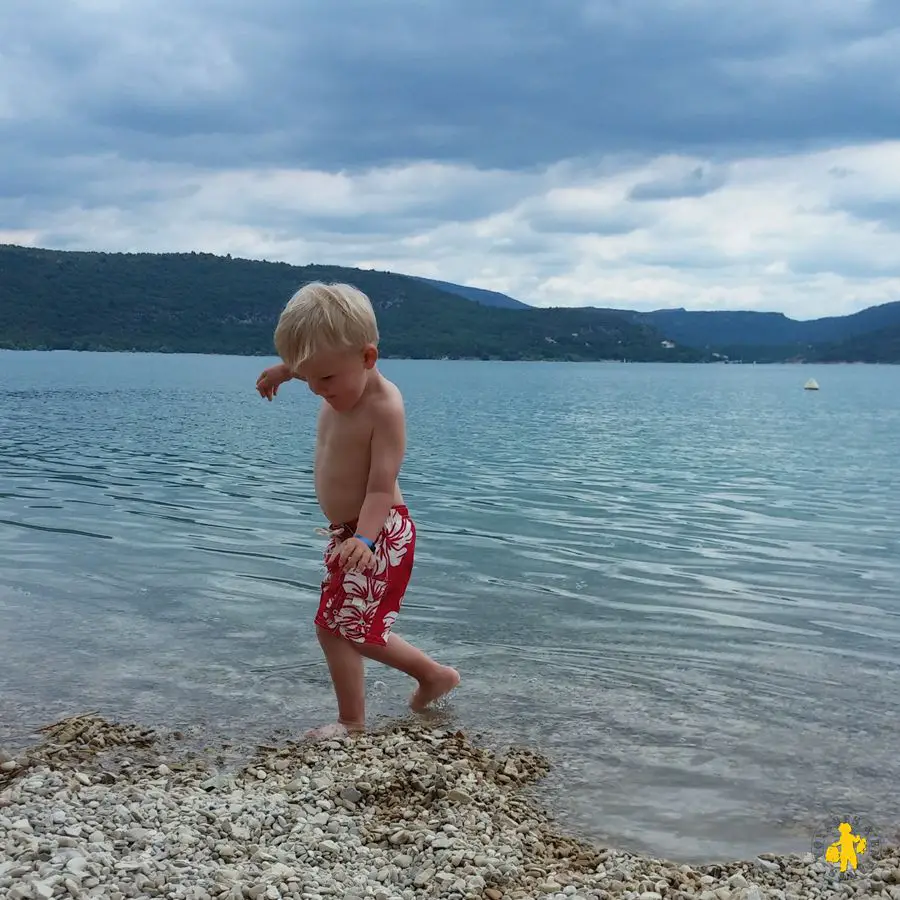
<point x="682" y="582"/>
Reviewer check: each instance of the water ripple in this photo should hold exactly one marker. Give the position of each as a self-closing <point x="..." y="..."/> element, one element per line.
<point x="681" y="583"/>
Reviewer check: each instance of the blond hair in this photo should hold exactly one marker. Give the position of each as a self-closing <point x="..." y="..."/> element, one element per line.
<point x="324" y="317"/>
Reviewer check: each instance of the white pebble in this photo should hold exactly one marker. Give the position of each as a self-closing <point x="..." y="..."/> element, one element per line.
<point x="377" y="818"/>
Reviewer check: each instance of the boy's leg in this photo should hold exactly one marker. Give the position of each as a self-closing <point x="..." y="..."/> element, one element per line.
<point x="344" y="664"/>
<point x="348" y="678"/>
<point x="434" y="679"/>
<point x="395" y="548"/>
<point x="345" y="656"/>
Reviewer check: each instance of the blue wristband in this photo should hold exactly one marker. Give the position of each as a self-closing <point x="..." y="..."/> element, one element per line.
<point x="366" y="541"/>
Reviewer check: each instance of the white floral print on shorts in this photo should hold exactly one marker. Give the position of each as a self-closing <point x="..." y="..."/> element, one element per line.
<point x="363" y="606"/>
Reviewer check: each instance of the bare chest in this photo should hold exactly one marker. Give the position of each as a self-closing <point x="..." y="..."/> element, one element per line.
<point x="343" y="444"/>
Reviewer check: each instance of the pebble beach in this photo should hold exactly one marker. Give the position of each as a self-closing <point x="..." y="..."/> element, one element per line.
<point x="98" y="809"/>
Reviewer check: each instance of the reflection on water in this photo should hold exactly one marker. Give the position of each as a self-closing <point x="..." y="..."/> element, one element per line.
<point x="680" y="582"/>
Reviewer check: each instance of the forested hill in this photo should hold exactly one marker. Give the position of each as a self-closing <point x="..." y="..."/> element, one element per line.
<point x="880" y="346"/>
<point x="753" y="336"/>
<point x="729" y="328"/>
<point x="479" y="295"/>
<point x="201" y="303"/>
<point x="198" y="302"/>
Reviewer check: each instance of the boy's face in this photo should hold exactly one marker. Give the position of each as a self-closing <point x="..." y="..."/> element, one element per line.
<point x="339" y="377"/>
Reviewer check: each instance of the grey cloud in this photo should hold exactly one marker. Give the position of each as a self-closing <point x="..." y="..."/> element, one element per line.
<point x="683" y="258"/>
<point x="351" y="84"/>
<point x="847" y="264"/>
<point x="123" y="109"/>
<point x="699" y="182"/>
<point x="372" y="209"/>
<point x="884" y="212"/>
<point x="607" y="222"/>
<point x="36" y="187"/>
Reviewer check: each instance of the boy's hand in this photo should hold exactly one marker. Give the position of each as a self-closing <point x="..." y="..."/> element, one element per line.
<point x="271" y="379"/>
<point x="353" y="555"/>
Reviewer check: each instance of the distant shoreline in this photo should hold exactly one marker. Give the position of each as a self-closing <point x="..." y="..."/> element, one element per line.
<point x="190" y="302"/>
<point x="672" y="362"/>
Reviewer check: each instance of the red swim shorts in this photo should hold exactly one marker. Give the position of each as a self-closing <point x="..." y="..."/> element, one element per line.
<point x="362" y="606"/>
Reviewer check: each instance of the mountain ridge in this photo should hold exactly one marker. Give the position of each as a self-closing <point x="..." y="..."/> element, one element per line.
<point x="202" y="302"/>
<point x="718" y="328"/>
<point x="479" y="295"/>
<point x="752" y="335"/>
<point x="715" y="329"/>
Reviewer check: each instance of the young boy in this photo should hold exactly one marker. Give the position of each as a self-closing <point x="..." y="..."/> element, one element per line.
<point x="327" y="337"/>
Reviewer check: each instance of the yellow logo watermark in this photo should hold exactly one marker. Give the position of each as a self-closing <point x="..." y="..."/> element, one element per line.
<point x="846" y="843"/>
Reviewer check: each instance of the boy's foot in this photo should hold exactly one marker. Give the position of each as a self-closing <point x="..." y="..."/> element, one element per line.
<point x="433" y="689"/>
<point x="331" y="731"/>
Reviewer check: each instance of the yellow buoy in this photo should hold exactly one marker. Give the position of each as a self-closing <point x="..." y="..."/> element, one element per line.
<point x="811" y="385"/>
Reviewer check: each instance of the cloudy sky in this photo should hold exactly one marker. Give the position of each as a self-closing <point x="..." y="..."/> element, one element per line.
<point x="710" y="154"/>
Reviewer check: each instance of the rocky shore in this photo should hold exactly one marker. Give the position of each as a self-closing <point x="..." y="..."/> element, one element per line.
<point x="111" y="811"/>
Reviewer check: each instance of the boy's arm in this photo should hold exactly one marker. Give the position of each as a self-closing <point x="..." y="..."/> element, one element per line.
<point x="388" y="448"/>
<point x="272" y="378"/>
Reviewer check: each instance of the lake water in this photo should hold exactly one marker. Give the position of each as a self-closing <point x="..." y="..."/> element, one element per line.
<point x="681" y="582"/>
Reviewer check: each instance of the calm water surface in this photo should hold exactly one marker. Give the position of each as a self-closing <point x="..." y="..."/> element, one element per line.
<point x="682" y="583"/>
